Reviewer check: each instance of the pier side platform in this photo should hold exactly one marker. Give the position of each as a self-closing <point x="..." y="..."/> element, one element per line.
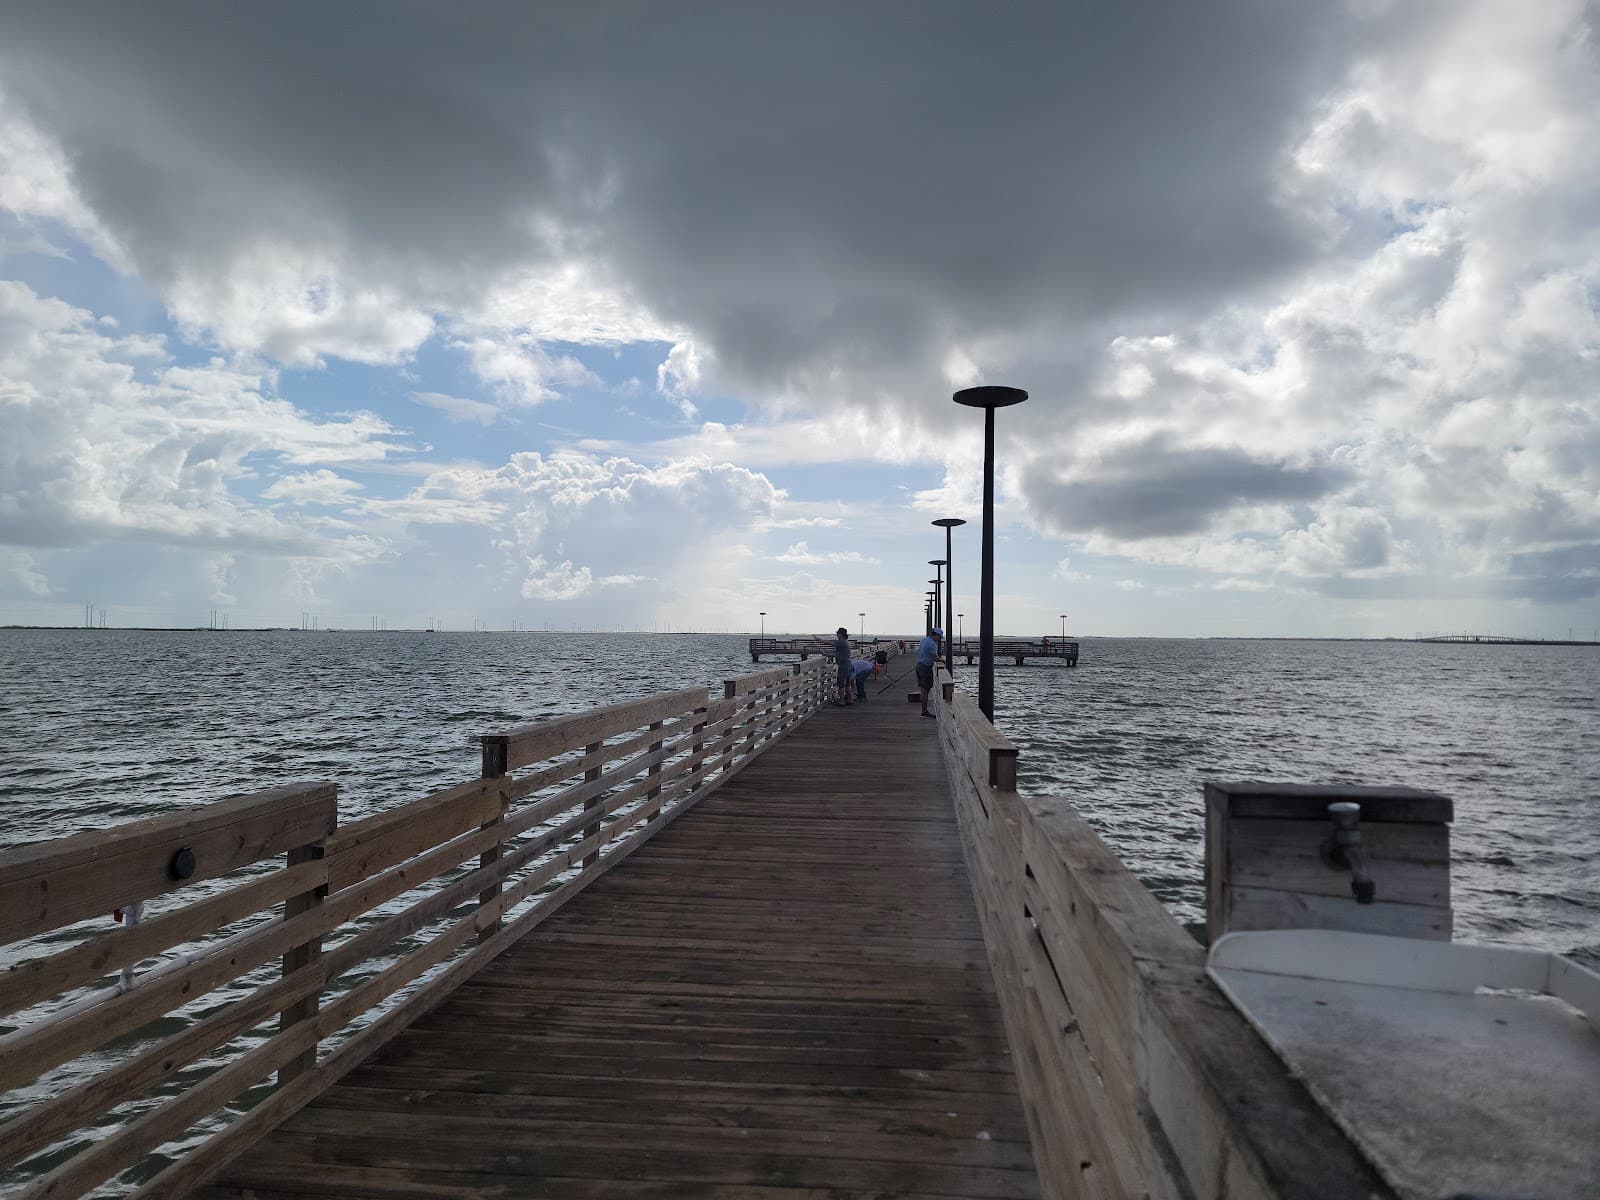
<point x="784" y="994"/>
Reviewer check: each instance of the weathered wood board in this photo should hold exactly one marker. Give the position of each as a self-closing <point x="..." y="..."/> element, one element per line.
<point x="784" y="994"/>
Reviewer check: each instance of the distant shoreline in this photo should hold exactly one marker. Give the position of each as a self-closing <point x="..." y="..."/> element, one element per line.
<point x="1454" y="640"/>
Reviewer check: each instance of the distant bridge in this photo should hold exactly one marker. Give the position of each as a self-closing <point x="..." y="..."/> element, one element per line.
<point x="1496" y="639"/>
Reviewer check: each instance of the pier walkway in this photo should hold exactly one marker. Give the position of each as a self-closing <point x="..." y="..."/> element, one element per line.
<point x="784" y="994"/>
<point x="687" y="944"/>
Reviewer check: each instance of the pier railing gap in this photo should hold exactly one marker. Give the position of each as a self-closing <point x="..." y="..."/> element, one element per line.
<point x="380" y="920"/>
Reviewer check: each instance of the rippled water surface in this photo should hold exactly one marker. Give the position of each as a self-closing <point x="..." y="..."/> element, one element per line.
<point x="102" y="726"/>
<point x="98" y="726"/>
<point x="1510" y="733"/>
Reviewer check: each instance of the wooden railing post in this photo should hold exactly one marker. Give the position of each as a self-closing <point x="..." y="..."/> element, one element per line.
<point x="494" y="767"/>
<point x="730" y="691"/>
<point x="697" y="748"/>
<point x="597" y="803"/>
<point x="303" y="955"/>
<point x="655" y="773"/>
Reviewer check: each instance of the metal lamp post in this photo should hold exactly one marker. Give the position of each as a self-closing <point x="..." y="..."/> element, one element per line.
<point x="863" y="617"/>
<point x="960" y="617"/>
<point x="944" y="610"/>
<point x="949" y="523"/>
<point x="1063" y="627"/>
<point x="988" y="399"/>
<point x="763" y="624"/>
<point x="936" y="613"/>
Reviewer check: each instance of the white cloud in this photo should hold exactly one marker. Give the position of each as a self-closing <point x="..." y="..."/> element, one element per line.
<point x="321" y="486"/>
<point x="679" y="375"/>
<point x="36" y="182"/>
<point x="801" y="553"/>
<point x="457" y="408"/>
<point x="221" y="572"/>
<point x="1350" y="339"/>
<point x="296" y="306"/>
<point x="19" y="571"/>
<point x="1418" y="402"/>
<point x="560" y="582"/>
<point x="102" y="437"/>
<point x="517" y="368"/>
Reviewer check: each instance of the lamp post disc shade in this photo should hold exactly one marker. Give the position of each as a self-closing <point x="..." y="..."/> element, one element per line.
<point x="950" y="522"/>
<point x="990" y="397"/>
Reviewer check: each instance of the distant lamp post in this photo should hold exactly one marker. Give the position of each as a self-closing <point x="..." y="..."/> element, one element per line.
<point x="943" y="614"/>
<point x="763" y="624"/>
<point x="988" y="399"/>
<point x="863" y="617"/>
<point x="959" y="617"/>
<point x="1063" y="627"/>
<point x="936" y="613"/>
<point x="949" y="523"/>
<point x="927" y="604"/>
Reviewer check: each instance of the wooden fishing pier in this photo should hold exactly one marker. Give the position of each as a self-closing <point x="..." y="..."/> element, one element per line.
<point x="735" y="945"/>
<point x="1018" y="650"/>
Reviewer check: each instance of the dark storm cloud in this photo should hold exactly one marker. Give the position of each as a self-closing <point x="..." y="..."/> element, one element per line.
<point x="1159" y="489"/>
<point x="855" y="184"/>
<point x="1555" y="576"/>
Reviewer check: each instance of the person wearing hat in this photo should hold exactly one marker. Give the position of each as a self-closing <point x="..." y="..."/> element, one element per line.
<point x="927" y="656"/>
<point x="841" y="660"/>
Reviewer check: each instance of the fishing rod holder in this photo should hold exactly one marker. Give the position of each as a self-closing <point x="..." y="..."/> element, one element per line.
<point x="1342" y="849"/>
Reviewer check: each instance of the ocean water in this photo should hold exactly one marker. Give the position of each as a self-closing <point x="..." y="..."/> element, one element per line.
<point x="1510" y="733"/>
<point x="99" y="726"/>
<point x="103" y="726"/>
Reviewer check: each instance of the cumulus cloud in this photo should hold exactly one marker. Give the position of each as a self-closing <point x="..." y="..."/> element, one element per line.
<point x="311" y="487"/>
<point x="519" y="370"/>
<point x="562" y="581"/>
<point x="1300" y="291"/>
<point x="105" y="437"/>
<point x="801" y="553"/>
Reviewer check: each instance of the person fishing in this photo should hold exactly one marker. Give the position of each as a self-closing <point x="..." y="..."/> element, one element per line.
<point x="927" y="656"/>
<point x="861" y="670"/>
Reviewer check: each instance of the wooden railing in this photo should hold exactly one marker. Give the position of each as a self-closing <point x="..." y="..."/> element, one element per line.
<point x="380" y="920"/>
<point x="1138" y="1078"/>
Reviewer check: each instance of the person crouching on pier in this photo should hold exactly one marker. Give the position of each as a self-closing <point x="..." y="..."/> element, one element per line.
<point x="927" y="656"/>
<point x="841" y="659"/>
<point x="861" y="670"/>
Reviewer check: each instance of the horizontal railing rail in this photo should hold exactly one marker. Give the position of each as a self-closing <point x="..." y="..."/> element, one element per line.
<point x="1137" y="1076"/>
<point x="340" y="935"/>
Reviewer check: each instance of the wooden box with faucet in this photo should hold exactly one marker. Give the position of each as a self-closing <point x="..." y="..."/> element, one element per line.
<point x="1295" y="856"/>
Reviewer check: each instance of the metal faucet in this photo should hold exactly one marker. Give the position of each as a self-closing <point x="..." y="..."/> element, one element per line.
<point x="1342" y="850"/>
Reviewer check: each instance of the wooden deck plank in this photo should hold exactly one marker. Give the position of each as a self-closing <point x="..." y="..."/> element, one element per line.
<point x="785" y="995"/>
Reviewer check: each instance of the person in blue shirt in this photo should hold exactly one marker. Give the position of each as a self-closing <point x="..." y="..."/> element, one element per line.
<point x="861" y="670"/>
<point x="927" y="656"/>
<point x="841" y="660"/>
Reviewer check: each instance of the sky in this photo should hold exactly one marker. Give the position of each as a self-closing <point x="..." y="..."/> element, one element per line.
<point x="649" y="316"/>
